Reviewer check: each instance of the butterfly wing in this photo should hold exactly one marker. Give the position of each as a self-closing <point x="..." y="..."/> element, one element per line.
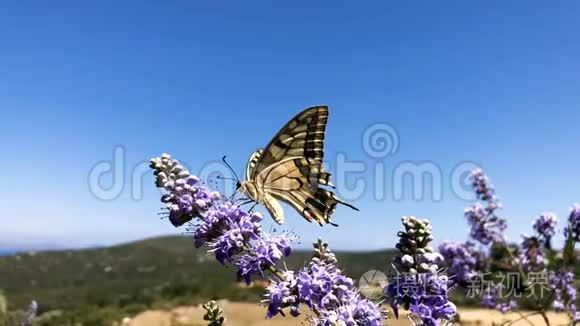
<point x="290" y="167"/>
<point x="289" y="183"/>
<point x="274" y="208"/>
<point x="301" y="137"/>
<point x="318" y="171"/>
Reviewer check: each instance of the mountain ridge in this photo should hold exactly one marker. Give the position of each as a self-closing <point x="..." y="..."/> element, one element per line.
<point x="72" y="278"/>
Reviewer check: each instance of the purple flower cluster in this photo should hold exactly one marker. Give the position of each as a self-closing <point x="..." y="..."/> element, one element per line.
<point x="186" y="198"/>
<point x="429" y="316"/>
<point x="463" y="260"/>
<point x="573" y="228"/>
<point x="263" y="254"/>
<point x="482" y="187"/>
<point x="531" y="256"/>
<point x="485" y="226"/>
<point x="424" y="294"/>
<point x="235" y="236"/>
<point x="545" y="225"/>
<point x="492" y="299"/>
<point x="231" y="234"/>
<point x="564" y="291"/>
<point x="282" y="294"/>
<point x="356" y="311"/>
<point x="227" y="230"/>
<point x="418" y="287"/>
<point x="324" y="289"/>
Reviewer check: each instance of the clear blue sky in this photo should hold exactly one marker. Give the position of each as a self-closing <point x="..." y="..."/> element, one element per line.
<point x="493" y="82"/>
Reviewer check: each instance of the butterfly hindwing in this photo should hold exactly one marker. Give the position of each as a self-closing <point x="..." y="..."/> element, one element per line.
<point x="317" y="205"/>
<point x="288" y="182"/>
<point x="274" y="208"/>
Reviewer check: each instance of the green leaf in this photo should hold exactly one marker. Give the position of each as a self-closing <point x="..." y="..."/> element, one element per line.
<point x="569" y="254"/>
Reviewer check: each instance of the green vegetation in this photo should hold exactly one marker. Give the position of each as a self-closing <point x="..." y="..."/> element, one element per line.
<point x="3" y="305"/>
<point x="213" y="314"/>
<point x="99" y="286"/>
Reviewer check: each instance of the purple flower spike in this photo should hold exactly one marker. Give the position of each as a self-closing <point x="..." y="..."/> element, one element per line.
<point x="356" y="312"/>
<point x="573" y="228"/>
<point x="492" y="299"/>
<point x="485" y="228"/>
<point x="323" y="288"/>
<point x="545" y="225"/>
<point x="186" y="198"/>
<point x="227" y="230"/>
<point x="483" y="189"/>
<point x="430" y="315"/>
<point x="282" y="294"/>
<point x="480" y="184"/>
<point x="532" y="254"/>
<point x="262" y="254"/>
<point x="418" y="285"/>
<point x="464" y="261"/>
<point x="564" y="292"/>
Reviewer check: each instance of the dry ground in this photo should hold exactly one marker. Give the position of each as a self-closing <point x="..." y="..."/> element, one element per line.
<point x="248" y="314"/>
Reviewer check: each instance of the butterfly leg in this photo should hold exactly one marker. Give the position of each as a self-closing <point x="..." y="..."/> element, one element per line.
<point x="233" y="195"/>
<point x="252" y="208"/>
<point x="247" y="202"/>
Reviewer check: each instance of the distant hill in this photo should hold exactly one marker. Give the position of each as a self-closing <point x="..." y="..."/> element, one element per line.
<point x="6" y="252"/>
<point x="12" y="248"/>
<point x="138" y="273"/>
<point x="97" y="286"/>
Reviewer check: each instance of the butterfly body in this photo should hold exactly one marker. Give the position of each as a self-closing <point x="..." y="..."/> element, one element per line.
<point x="289" y="169"/>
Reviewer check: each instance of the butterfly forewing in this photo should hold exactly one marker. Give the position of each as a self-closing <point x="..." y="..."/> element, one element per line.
<point x="301" y="137"/>
<point x="290" y="168"/>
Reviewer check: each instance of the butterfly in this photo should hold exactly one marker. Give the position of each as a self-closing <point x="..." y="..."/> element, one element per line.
<point x="289" y="169"/>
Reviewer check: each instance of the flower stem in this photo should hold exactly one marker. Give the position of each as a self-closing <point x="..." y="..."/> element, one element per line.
<point x="546" y="320"/>
<point x="276" y="272"/>
<point x="522" y="317"/>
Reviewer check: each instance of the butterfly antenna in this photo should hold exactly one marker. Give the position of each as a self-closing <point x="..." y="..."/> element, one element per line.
<point x="231" y="169"/>
<point x="349" y="205"/>
<point x="220" y="177"/>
